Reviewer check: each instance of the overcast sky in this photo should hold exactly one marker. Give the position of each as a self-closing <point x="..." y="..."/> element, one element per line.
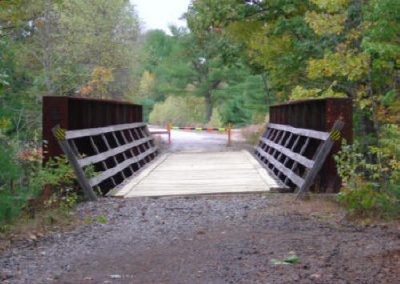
<point x="159" y="14"/>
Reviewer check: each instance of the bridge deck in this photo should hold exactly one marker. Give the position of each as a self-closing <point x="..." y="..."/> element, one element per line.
<point x="200" y="173"/>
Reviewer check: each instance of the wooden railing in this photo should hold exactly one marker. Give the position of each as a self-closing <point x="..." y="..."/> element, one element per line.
<point x="115" y="152"/>
<point x="295" y="155"/>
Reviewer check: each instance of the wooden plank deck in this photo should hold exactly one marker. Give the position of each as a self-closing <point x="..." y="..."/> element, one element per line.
<point x="189" y="173"/>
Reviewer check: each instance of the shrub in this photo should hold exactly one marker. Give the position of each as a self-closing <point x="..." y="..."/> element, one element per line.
<point x="371" y="181"/>
<point x="179" y="111"/>
<point x="252" y="133"/>
<point x="11" y="200"/>
<point x="57" y="174"/>
<point x="216" y="119"/>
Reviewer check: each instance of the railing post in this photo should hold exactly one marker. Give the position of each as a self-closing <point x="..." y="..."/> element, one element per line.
<point x="229" y="133"/>
<point x="169" y="126"/>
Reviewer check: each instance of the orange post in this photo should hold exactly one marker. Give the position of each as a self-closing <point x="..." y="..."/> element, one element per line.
<point x="229" y="133"/>
<point x="169" y="126"/>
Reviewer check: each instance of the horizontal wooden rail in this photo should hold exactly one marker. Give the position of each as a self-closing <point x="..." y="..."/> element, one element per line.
<point x="281" y="167"/>
<point x="300" y="131"/>
<point x="110" y="153"/>
<point x="73" y="134"/>
<point x="113" y="171"/>
<point x="287" y="152"/>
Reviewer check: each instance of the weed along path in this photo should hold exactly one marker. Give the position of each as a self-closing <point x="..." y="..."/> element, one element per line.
<point x="256" y="237"/>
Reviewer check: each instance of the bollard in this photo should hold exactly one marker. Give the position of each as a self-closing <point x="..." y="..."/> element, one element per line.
<point x="169" y="127"/>
<point x="229" y="133"/>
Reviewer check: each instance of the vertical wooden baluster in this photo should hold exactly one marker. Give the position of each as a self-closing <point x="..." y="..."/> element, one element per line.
<point x="279" y="143"/>
<point x="109" y="148"/>
<point x="303" y="148"/>
<point x="150" y="143"/>
<point x="103" y="163"/>
<point x="123" y="153"/>
<point x="281" y="154"/>
<point x="143" y="148"/>
<point x="131" y="132"/>
<point x="130" y="150"/>
<point x="291" y="149"/>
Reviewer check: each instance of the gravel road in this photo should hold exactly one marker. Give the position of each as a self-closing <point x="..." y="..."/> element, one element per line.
<point x="208" y="239"/>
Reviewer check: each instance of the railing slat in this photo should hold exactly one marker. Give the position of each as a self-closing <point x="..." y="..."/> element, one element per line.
<point x="288" y="173"/>
<point x="119" y="167"/>
<point x="301" y="131"/>
<point x="287" y="152"/>
<point x="73" y="134"/>
<point x="115" y="151"/>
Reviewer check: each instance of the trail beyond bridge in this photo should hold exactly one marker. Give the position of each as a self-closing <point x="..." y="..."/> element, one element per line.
<point x="187" y="173"/>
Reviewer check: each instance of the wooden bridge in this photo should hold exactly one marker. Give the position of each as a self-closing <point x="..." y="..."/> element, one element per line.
<point x="200" y="173"/>
<point x="122" y="160"/>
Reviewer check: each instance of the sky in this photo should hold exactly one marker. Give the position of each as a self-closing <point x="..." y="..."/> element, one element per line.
<point x="159" y="14"/>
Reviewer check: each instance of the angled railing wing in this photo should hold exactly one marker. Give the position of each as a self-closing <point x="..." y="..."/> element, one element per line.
<point x="295" y="155"/>
<point x="116" y="152"/>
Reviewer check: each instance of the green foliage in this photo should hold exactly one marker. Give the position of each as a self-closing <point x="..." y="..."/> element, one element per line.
<point x="292" y="259"/>
<point x="216" y="119"/>
<point x="325" y="24"/>
<point x="57" y="173"/>
<point x="371" y="184"/>
<point x="187" y="64"/>
<point x="181" y="111"/>
<point x="14" y="196"/>
<point x="101" y="219"/>
<point x="347" y="65"/>
<point x="299" y="93"/>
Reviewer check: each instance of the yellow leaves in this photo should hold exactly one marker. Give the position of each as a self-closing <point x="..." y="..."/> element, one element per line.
<point x="331" y="21"/>
<point x="325" y="24"/>
<point x="344" y="64"/>
<point x="389" y="114"/>
<point x="266" y="50"/>
<point x="4" y="123"/>
<point x="147" y="84"/>
<point x="354" y="34"/>
<point x="243" y="31"/>
<point x="330" y="93"/>
<point x="299" y="93"/>
<point x="331" y="6"/>
<point x="101" y="77"/>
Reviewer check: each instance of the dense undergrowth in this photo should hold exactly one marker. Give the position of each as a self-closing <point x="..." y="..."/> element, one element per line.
<point x="32" y="188"/>
<point x="371" y="181"/>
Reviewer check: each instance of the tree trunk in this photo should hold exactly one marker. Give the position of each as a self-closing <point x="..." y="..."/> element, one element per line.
<point x="209" y="106"/>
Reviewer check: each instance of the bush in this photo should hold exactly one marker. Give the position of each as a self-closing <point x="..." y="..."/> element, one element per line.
<point x="216" y="119"/>
<point x="180" y="111"/>
<point x="57" y="174"/>
<point x="11" y="199"/>
<point x="371" y="181"/>
<point x="252" y="133"/>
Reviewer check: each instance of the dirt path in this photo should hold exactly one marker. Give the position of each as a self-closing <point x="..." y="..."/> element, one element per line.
<point x="208" y="239"/>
